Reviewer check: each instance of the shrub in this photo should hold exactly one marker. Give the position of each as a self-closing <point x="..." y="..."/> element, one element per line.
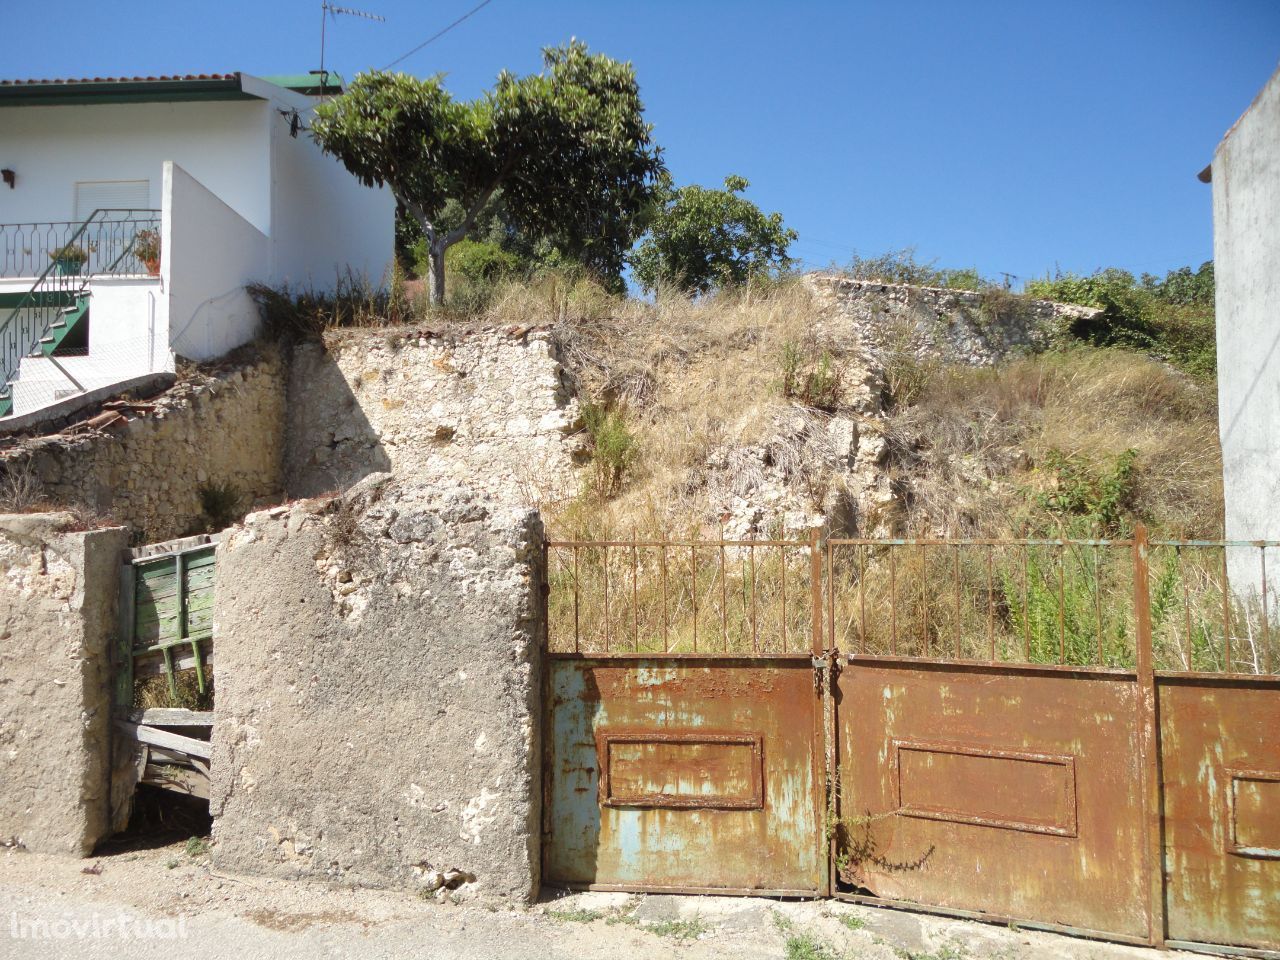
<point x="1171" y="318"/>
<point x="614" y="446"/>
<point x="810" y="379"/>
<point x="1099" y="494"/>
<point x="220" y="503"/>
<point x="901" y="266"/>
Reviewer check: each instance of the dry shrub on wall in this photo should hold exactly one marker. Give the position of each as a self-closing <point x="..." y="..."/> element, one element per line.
<point x="973" y="451"/>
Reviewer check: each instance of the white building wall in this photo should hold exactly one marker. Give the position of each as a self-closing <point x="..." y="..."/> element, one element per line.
<point x="210" y="254"/>
<point x="223" y="144"/>
<point x="324" y="222"/>
<point x="1246" y="252"/>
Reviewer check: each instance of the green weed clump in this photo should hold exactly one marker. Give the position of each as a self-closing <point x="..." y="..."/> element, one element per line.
<point x="809" y="377"/>
<point x="614" y="448"/>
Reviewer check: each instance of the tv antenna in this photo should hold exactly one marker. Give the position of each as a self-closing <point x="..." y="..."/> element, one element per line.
<point x="328" y="10"/>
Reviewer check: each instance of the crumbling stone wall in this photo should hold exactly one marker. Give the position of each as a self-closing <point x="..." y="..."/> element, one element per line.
<point x="978" y="328"/>
<point x="378" y="692"/>
<point x="146" y="469"/>
<point x="492" y="409"/>
<point x="58" y="593"/>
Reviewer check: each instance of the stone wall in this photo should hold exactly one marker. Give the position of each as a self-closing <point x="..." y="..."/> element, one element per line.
<point x="952" y="326"/>
<point x="146" y="469"/>
<point x="378" y="692"/>
<point x="492" y="409"/>
<point x="58" y="593"/>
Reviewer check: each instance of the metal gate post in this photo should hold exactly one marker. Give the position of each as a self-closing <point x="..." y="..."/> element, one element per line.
<point x="1149" y="725"/>
<point x="824" y="665"/>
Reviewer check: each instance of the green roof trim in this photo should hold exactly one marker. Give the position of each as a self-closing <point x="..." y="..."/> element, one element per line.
<point x="309" y="83"/>
<point x="133" y="90"/>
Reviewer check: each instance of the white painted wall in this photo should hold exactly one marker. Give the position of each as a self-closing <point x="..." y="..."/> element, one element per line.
<point x="323" y="221"/>
<point x="210" y="253"/>
<point x="223" y="144"/>
<point x="1246" y="253"/>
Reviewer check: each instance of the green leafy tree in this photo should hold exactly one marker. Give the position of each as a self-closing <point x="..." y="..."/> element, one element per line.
<point x="568" y="148"/>
<point x="702" y="239"/>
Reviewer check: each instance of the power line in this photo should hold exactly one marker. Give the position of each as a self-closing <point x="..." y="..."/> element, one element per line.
<point x="437" y="36"/>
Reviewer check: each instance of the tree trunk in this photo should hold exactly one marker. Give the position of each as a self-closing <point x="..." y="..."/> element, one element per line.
<point x="435" y="284"/>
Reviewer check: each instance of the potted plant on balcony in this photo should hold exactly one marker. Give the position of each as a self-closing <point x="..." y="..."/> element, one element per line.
<point x="146" y="247"/>
<point x="68" y="260"/>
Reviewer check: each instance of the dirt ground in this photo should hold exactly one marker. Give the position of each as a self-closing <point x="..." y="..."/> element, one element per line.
<point x="168" y="901"/>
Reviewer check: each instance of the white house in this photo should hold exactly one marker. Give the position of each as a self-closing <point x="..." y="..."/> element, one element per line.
<point x="214" y="173"/>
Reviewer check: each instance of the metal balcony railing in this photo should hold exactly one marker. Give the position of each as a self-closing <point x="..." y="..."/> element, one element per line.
<point x="106" y="239"/>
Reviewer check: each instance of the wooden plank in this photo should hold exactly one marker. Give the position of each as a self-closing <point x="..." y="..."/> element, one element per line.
<point x="153" y="551"/>
<point x="167" y="739"/>
<point x="151" y="664"/>
<point x="123" y="657"/>
<point x="184" y="780"/>
<point x="198" y="580"/>
<point x="172" y="717"/>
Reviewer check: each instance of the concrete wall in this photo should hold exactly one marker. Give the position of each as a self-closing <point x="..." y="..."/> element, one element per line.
<point x="210" y="253"/>
<point x="223" y="144"/>
<point x="1246" y="254"/>
<point x="58" y="593"/>
<point x="491" y="409"/>
<point x="378" y="692"/>
<point x="219" y="427"/>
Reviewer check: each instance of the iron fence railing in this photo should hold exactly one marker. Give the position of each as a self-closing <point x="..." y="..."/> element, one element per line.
<point x="107" y="244"/>
<point x="1196" y="606"/>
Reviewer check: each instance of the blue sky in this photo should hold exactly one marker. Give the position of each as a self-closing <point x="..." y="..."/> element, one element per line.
<point x="1010" y="136"/>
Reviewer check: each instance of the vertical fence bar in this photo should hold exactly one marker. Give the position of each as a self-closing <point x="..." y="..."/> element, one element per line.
<point x="662" y="563"/>
<point x="755" y="627"/>
<point x="1026" y="605"/>
<point x="959" y="625"/>
<point x="862" y="598"/>
<point x="693" y="590"/>
<point x="1186" y="609"/>
<point x="635" y="595"/>
<point x="924" y="594"/>
<point x="815" y="584"/>
<point x="1097" y="602"/>
<point x="1226" y="612"/>
<point x="1148" y="719"/>
<point x="991" y="605"/>
<point x="576" y="596"/>
<point x="605" y="568"/>
<point x="893" y="599"/>
<point x="724" y="599"/>
<point x="782" y="554"/>
<point x="1266" y="615"/>
<point x="831" y="596"/>
<point x="1062" y="603"/>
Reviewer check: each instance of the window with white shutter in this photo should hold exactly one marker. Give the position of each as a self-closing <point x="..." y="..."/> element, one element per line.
<point x="94" y="195"/>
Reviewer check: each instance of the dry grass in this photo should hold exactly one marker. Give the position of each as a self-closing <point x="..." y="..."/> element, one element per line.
<point x="970" y="452"/>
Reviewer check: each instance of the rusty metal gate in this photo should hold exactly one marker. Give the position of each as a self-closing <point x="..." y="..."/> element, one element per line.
<point x="684" y="746"/>
<point x="1079" y="735"/>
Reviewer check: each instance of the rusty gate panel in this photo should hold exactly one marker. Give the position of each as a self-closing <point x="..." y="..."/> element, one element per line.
<point x="1015" y="791"/>
<point x="676" y="773"/>
<point x="1220" y="750"/>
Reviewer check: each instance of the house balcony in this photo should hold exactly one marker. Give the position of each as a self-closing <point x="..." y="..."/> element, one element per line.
<point x="77" y="305"/>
